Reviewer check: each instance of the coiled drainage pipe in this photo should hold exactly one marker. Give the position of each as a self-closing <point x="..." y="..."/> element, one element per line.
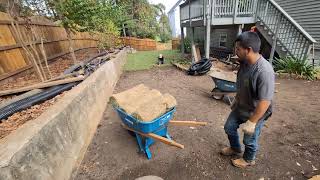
<point x="200" y="68"/>
<point x="35" y="99"/>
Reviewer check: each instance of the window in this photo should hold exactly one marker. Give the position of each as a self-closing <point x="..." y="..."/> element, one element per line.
<point x="223" y="40"/>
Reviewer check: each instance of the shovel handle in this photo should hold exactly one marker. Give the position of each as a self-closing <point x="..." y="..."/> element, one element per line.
<point x="188" y="123"/>
<point x="156" y="137"/>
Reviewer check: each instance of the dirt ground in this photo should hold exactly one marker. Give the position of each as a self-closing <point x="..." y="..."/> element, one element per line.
<point x="289" y="145"/>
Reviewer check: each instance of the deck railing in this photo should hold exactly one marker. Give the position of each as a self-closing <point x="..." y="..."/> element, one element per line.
<point x="237" y="8"/>
<point x="197" y="10"/>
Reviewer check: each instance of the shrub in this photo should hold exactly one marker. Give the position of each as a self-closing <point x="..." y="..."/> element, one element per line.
<point x="187" y="45"/>
<point x="165" y="37"/>
<point x="296" y="66"/>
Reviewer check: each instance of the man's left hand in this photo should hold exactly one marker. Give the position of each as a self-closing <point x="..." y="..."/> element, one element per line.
<point x="249" y="127"/>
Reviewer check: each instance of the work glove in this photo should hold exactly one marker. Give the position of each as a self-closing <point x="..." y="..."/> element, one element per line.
<point x="249" y="127"/>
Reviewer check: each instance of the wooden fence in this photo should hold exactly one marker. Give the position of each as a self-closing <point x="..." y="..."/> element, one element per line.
<point x="175" y="43"/>
<point x="13" y="58"/>
<point x="140" y="44"/>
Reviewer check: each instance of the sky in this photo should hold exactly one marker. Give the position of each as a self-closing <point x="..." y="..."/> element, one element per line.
<point x="167" y="3"/>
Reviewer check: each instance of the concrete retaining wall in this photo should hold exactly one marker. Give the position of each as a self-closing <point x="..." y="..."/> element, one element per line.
<point x="53" y="145"/>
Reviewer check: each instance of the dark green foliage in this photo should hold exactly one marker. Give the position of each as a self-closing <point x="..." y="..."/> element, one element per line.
<point x="296" y="66"/>
<point x="187" y="45"/>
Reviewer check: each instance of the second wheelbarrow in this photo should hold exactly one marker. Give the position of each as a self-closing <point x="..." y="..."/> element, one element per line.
<point x="224" y="86"/>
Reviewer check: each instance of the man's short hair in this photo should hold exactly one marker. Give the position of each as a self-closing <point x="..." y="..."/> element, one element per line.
<point x="249" y="40"/>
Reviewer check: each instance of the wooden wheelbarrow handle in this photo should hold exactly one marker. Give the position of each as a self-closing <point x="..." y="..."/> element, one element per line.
<point x="156" y="137"/>
<point x="188" y="123"/>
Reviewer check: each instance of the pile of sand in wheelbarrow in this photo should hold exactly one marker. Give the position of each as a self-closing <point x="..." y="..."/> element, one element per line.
<point x="143" y="103"/>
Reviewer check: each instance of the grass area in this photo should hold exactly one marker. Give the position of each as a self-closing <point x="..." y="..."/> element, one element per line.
<point x="147" y="59"/>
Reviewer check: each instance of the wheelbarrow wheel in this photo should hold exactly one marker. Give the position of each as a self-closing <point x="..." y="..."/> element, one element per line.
<point x="217" y="94"/>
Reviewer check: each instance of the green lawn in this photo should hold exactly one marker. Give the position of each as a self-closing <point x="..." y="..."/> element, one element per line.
<point x="142" y="60"/>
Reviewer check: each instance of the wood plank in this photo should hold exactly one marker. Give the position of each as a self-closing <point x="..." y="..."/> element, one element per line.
<point x="9" y="74"/>
<point x="187" y="123"/>
<point x="4" y="16"/>
<point x="15" y="46"/>
<point x="14" y="59"/>
<point x="41" y="85"/>
<point x="198" y="53"/>
<point x="8" y="22"/>
<point x="3" y="62"/>
<point x="156" y="137"/>
<point x="6" y="38"/>
<point x="194" y="53"/>
<point x="63" y="76"/>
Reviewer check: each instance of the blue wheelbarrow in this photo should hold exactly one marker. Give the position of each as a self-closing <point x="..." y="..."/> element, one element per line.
<point x="223" y="89"/>
<point x="147" y="132"/>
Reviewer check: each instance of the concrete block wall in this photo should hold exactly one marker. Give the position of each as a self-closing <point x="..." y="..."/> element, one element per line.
<point x="52" y="146"/>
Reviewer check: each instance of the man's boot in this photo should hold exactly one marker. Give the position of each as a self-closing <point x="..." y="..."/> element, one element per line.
<point x="241" y="163"/>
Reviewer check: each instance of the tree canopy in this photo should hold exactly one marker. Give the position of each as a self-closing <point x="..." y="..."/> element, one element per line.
<point x="136" y="18"/>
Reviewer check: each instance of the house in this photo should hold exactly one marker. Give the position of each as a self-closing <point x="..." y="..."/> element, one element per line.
<point x="215" y="24"/>
<point x="173" y="16"/>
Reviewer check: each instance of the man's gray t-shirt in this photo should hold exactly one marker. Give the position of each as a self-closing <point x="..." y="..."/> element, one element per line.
<point x="254" y="83"/>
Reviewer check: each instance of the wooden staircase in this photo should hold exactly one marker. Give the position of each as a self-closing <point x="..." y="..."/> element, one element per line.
<point x="286" y="36"/>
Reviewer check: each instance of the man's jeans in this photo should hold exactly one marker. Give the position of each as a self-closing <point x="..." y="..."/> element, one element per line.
<point x="250" y="141"/>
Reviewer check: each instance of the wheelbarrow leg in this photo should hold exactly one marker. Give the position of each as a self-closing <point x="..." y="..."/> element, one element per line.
<point x="148" y="153"/>
<point x="139" y="141"/>
<point x="168" y="136"/>
<point x="144" y="146"/>
<point x="147" y="144"/>
<point x="164" y="133"/>
<point x="229" y="100"/>
<point x="216" y="94"/>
